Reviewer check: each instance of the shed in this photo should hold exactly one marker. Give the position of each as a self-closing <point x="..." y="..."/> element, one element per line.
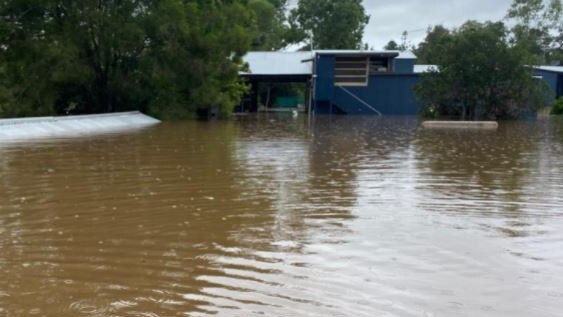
<point x="340" y="81"/>
<point x="364" y="82"/>
<point x="265" y="68"/>
<point x="553" y="76"/>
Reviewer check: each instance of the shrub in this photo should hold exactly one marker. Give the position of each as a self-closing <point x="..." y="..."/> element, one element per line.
<point x="558" y="107"/>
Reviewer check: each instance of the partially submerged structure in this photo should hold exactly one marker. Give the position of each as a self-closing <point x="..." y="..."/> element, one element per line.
<point x="352" y="81"/>
<point x="341" y="81"/>
<point x="21" y="129"/>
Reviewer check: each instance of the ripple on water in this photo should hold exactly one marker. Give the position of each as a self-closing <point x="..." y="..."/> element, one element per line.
<point x="348" y="217"/>
<point x="91" y="307"/>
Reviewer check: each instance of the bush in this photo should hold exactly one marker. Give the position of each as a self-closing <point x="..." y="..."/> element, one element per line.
<point x="480" y="75"/>
<point x="558" y="107"/>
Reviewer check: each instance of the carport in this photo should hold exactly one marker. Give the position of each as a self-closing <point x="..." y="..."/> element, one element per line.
<point x="266" y="68"/>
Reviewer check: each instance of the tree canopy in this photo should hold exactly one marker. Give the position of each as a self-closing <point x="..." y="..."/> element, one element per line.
<point x="404" y="46"/>
<point x="429" y="50"/>
<point x="479" y="75"/>
<point x="391" y="46"/>
<point x="328" y="24"/>
<point x="270" y="28"/>
<point x="166" y="57"/>
<point x="483" y="68"/>
<point x="538" y="28"/>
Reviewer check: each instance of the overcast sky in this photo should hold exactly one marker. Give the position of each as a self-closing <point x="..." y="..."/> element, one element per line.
<point x="389" y="18"/>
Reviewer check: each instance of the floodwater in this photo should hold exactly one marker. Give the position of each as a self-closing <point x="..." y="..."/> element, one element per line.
<point x="266" y="216"/>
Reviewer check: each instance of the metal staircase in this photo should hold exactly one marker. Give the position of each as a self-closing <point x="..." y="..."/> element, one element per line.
<point x="361" y="101"/>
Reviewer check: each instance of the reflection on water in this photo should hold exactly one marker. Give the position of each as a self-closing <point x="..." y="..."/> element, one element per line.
<point x="267" y="216"/>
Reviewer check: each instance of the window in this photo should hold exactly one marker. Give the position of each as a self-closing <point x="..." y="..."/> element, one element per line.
<point x="379" y="65"/>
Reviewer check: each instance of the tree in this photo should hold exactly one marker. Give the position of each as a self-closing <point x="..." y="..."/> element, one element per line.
<point x="405" y="43"/>
<point x="391" y="46"/>
<point x="557" y="108"/>
<point x="328" y="24"/>
<point x="480" y="76"/>
<point x="538" y="28"/>
<point x="193" y="65"/>
<point x="168" y="57"/>
<point x="270" y="28"/>
<point x="433" y="46"/>
<point x="403" y="47"/>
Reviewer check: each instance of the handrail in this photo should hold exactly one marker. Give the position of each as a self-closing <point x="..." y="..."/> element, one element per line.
<point x="360" y="100"/>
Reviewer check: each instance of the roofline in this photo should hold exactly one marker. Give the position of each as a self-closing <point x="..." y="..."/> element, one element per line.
<point x="357" y="53"/>
<point x="548" y="70"/>
<point x="334" y="52"/>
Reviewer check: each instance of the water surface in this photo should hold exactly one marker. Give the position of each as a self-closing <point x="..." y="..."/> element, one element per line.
<point x="266" y="216"/>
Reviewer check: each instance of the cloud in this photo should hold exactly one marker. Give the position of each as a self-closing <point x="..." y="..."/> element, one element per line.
<point x="390" y="18"/>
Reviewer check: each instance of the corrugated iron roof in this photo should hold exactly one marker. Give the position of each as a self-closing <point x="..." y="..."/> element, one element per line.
<point x="358" y="52"/>
<point x="299" y="63"/>
<point x="279" y="63"/>
<point x="21" y="129"/>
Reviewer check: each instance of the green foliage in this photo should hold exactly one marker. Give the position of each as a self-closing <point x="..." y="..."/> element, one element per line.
<point x="403" y="47"/>
<point x="168" y="57"/>
<point x="430" y="50"/>
<point x="195" y="59"/>
<point x="480" y="76"/>
<point x="558" y="107"/>
<point x="328" y="24"/>
<point x="538" y="28"/>
<point x="391" y="46"/>
<point x="270" y="28"/>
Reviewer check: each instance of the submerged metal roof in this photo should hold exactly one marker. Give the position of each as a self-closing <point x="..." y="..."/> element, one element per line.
<point x="71" y="126"/>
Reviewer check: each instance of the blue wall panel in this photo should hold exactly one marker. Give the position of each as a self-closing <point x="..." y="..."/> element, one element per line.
<point x="389" y="94"/>
<point x="404" y="65"/>
<point x="324" y="83"/>
<point x="551" y="78"/>
<point x="325" y="77"/>
<point x="554" y="80"/>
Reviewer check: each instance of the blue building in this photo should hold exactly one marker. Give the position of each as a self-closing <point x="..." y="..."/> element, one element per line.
<point x="353" y="82"/>
<point x="365" y="83"/>
<point x="341" y="82"/>
<point x="553" y="77"/>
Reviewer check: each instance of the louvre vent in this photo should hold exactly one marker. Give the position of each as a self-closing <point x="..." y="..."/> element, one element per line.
<point x="351" y="71"/>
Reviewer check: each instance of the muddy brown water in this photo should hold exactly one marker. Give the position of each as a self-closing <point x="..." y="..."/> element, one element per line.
<point x="266" y="216"/>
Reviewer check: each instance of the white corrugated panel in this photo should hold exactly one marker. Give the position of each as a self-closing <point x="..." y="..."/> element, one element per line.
<point x="418" y="69"/>
<point x="555" y="69"/>
<point x="71" y="126"/>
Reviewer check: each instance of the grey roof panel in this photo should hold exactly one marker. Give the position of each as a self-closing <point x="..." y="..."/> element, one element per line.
<point x="279" y="63"/>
